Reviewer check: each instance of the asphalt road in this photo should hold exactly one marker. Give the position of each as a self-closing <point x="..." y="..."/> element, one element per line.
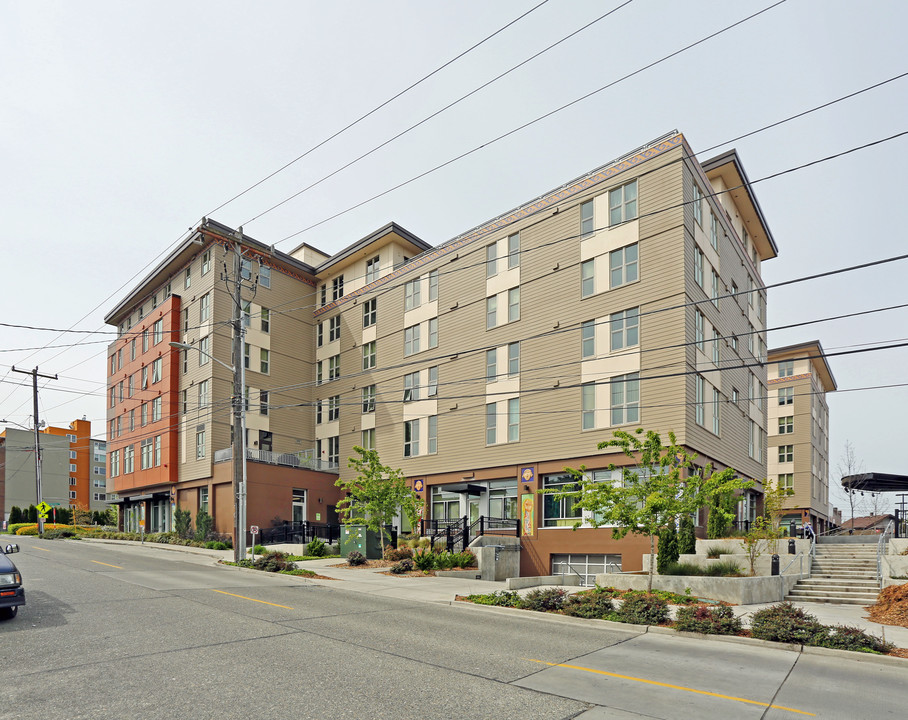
<point x="129" y="632"/>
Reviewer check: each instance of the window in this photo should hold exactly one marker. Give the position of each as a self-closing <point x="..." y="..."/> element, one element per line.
<point x="185" y="323"/>
<point x="588" y="339"/>
<point x="588" y="406"/>
<point x="334" y="328"/>
<point x="203" y="499"/>
<point x="625" y="329"/>
<point x="132" y="421"/>
<point x="411" y="340"/>
<point x="334" y="365"/>
<point x="513" y="359"/>
<point x="187" y="279"/>
<point x="713" y="231"/>
<point x="144" y="414"/>
<point x="264" y="361"/>
<point x="185" y="354"/>
<point x="411" y="386"/>
<point x="204" y="350"/>
<point x="491" y="260"/>
<point x="157" y="367"/>
<point x="129" y="454"/>
<point x="333" y="408"/>
<point x="72" y="467"/>
<point x="264" y="275"/>
<point x="245" y="268"/>
<point x="247" y="354"/>
<point x="120" y="391"/>
<point x="698" y="266"/>
<point x="206" y="262"/>
<point x="716" y="411"/>
<point x="786" y="453"/>
<point x="587" y="221"/>
<point x="266" y="320"/>
<point x="369" y="313"/>
<point x="697" y="204"/>
<point x="699" y="331"/>
<point x="411" y="295"/>
<point x="72" y="495"/>
<point x="623" y="266"/>
<point x="337" y="287"/>
<point x="786" y="396"/>
<point x="513" y="419"/>
<point x="411" y="438"/>
<point x="757" y="391"/>
<point x="491" y="365"/>
<point x="786" y="425"/>
<point x="156" y="406"/>
<point x="754" y="449"/>
<point x="735" y="396"/>
<point x="367" y="439"/>
<point x="786" y="481"/>
<point x="716" y="339"/>
<point x="786" y="368"/>
<point x="587" y="278"/>
<point x="319" y="419"/>
<point x="559" y="512"/>
<point x="433" y="332"/>
<point x="204" y="307"/>
<point x="120" y="351"/>
<point x="147" y="454"/>
<point x="622" y="203"/>
<point x="514" y="304"/>
<point x="372" y="269"/>
<point x="184" y="401"/>
<point x="320" y="335"/>
<point x="323" y="295"/>
<point x="132" y="349"/>
<point x="263" y="402"/>
<point x="513" y="250"/>
<point x="491" y="423"/>
<point x="698" y="405"/>
<point x="113" y="364"/>
<point x="145" y="340"/>
<point x="433" y="285"/>
<point x="625" y="399"/>
<point x="433" y="381"/>
<point x="491" y="311"/>
<point x="200" y="442"/>
<point x="714" y="288"/>
<point x="368" y="393"/>
<point x="115" y="464"/>
<point x="158" y="332"/>
<point x="145" y="378"/>
<point x="247" y="313"/>
<point x="432" y="439"/>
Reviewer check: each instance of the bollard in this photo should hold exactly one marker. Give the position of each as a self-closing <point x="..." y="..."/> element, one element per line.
<point x="774" y="566"/>
<point x="791" y="546"/>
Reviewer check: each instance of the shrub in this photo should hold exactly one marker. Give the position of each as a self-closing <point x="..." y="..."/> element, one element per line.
<point x="500" y="598"/>
<point x="593" y="604"/>
<point x="404" y="566"/>
<point x="394" y="554"/>
<point x="445" y="560"/>
<point x="356" y="558"/>
<point x="845" y="637"/>
<point x="726" y="568"/>
<point x="718" y="620"/>
<point x="687" y="536"/>
<point x="203" y="525"/>
<point x="258" y="549"/>
<point x="15" y="515"/>
<point x="466" y="559"/>
<point x="273" y="562"/>
<point x="544" y="599"/>
<point x="786" y="623"/>
<point x="182" y="523"/>
<point x="316" y="548"/>
<point x="714" y="551"/>
<point x="30" y="529"/>
<point x="424" y="559"/>
<point x="217" y="545"/>
<point x="643" y="609"/>
<point x="298" y="571"/>
<point x="667" y="549"/>
<point x="58" y="533"/>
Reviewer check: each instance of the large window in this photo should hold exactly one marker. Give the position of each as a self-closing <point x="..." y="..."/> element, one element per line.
<point x="623" y="266"/>
<point x="491" y="260"/>
<point x="786" y="453"/>
<point x="432" y="439"/>
<point x="625" y="329"/>
<point x="157" y="368"/>
<point x="129" y="454"/>
<point x="368" y="397"/>
<point x="411" y="438"/>
<point x="588" y="339"/>
<point x="625" y="399"/>
<point x="204" y="352"/>
<point x="514" y="304"/>
<point x="697" y="204"/>
<point x="334" y="363"/>
<point x="157" y="331"/>
<point x="206" y="262"/>
<point x="433" y="285"/>
<point x="513" y="359"/>
<point x="146" y="459"/>
<point x="204" y="394"/>
<point x="513" y="420"/>
<point x="369" y="355"/>
<point x="370" y="314"/>
<point x="411" y="340"/>
<point x="588" y="406"/>
<point x="622" y="203"/>
<point x="265" y="317"/>
<point x="372" y="269"/>
<point x="503" y="499"/>
<point x="559" y="512"/>
<point x="433" y="381"/>
<point x="411" y="295"/>
<point x="334" y="328"/>
<point x="433" y="332"/>
<point x="337" y="287"/>
<point x="491" y="312"/>
<point x="586" y="566"/>
<point x="786" y="425"/>
<point x="205" y="307"/>
<point x="156" y="409"/>
<point x="786" y="396"/>
<point x="411" y="386"/>
<point x="587" y="278"/>
<point x="492" y="365"/>
<point x="513" y="250"/>
<point x="491" y="423"/>
<point x="587" y="221"/>
<point x="786" y="368"/>
<point x="333" y="408"/>
<point x="786" y="481"/>
<point x="264" y="276"/>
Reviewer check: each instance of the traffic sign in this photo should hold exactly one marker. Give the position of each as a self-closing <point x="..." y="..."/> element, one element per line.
<point x="43" y="508"/>
<point x="254" y="529"/>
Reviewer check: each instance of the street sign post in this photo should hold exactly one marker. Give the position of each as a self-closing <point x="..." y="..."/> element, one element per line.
<point x="254" y="529"/>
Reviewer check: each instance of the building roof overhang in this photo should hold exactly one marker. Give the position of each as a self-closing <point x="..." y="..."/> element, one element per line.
<point x="813" y="350"/>
<point x="876" y="482"/>
<point x="374" y="241"/>
<point x="728" y="166"/>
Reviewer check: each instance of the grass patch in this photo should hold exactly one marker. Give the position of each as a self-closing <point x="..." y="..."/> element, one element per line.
<point x="714" y="551"/>
<point x="298" y="571"/>
<point x="724" y="568"/>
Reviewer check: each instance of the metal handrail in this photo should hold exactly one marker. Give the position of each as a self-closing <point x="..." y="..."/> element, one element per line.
<point x="884" y="538"/>
<point x="800" y="558"/>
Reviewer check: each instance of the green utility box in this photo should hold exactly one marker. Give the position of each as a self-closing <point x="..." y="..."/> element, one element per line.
<point x="361" y="539"/>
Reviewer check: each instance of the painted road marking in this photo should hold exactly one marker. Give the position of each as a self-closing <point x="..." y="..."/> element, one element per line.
<point x="35" y="547"/>
<point x="673" y="687"/>
<point x="107" y="564"/>
<point x="253" y="599"/>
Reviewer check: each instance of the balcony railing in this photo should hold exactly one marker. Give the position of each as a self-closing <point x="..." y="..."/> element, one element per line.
<point x="303" y="459"/>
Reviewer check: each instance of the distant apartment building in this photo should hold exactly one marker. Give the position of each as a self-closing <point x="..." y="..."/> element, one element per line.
<point x="799" y="378"/>
<point x="17" y="474"/>
<point x="629" y="297"/>
<point x="87" y="483"/>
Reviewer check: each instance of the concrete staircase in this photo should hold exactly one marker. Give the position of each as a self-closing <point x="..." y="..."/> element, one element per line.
<point x="842" y="574"/>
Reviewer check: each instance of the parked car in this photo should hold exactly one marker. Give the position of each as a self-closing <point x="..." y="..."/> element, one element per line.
<point x="12" y="594"/>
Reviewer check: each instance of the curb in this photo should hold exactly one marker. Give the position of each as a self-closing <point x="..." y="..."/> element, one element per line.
<point x="204" y="552"/>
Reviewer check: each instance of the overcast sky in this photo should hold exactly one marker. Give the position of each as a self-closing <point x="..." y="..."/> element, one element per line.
<point x="122" y="124"/>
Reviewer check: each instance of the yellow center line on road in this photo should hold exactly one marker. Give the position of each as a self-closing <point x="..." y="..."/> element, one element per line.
<point x="107" y="564"/>
<point x="264" y="602"/>
<point x="35" y="547"/>
<point x="672" y="687"/>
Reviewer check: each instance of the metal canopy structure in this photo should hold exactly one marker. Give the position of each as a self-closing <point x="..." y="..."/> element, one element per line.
<point x="876" y="482"/>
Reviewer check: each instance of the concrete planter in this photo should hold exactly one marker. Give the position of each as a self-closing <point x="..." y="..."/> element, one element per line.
<point x="739" y="591"/>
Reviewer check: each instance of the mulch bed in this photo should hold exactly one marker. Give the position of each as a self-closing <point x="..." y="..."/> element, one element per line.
<point x="369" y="564"/>
<point x="891" y="607"/>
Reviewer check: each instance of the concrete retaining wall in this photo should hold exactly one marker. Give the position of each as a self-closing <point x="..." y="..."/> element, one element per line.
<point x="519" y="583"/>
<point x="508" y="563"/>
<point x="739" y="591"/>
<point x="763" y="565"/>
<point x="898" y="545"/>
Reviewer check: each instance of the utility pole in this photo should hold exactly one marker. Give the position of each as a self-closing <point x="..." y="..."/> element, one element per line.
<point x="239" y="404"/>
<point x="35" y="375"/>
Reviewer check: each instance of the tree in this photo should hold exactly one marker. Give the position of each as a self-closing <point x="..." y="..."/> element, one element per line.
<point x="850" y="464"/>
<point x="203" y="525"/>
<point x="653" y="494"/>
<point x="668" y="549"/>
<point x="182" y="522"/>
<point x="773" y="501"/>
<point x="687" y="536"/>
<point x="376" y="494"/>
<point x="721" y="513"/>
<point x="15" y="514"/>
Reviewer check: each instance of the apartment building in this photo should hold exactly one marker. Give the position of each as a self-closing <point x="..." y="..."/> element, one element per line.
<point x="482" y="367"/>
<point x="87" y="460"/>
<point x="17" y="470"/>
<point x="799" y="378"/>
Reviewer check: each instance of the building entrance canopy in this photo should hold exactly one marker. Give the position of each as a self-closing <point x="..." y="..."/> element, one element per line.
<point x="876" y="482"/>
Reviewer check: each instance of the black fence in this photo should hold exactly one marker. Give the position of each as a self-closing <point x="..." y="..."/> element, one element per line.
<point x="298" y="533"/>
<point x="457" y="534"/>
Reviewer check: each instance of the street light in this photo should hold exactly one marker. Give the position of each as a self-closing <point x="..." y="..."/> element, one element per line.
<point x="239" y="448"/>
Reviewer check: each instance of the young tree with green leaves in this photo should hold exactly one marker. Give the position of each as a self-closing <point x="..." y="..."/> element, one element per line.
<point x="652" y="494"/>
<point x="687" y="536"/>
<point x="376" y="494"/>
<point x="721" y="513"/>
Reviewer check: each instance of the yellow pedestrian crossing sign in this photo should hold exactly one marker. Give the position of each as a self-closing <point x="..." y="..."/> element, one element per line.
<point x="43" y="509"/>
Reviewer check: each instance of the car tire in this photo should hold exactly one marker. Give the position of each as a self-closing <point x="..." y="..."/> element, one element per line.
<point x="8" y="613"/>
